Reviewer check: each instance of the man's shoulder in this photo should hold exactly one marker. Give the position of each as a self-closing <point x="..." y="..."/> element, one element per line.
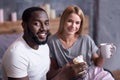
<point x="18" y="42"/>
<point x="17" y="45"/>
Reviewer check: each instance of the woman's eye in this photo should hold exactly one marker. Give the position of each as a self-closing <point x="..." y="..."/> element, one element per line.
<point x="69" y="21"/>
<point x="78" y="22"/>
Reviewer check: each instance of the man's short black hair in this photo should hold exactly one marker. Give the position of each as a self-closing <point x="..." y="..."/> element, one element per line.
<point x="27" y="13"/>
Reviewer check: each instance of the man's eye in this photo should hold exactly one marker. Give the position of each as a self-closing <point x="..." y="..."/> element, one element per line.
<point x="47" y="23"/>
<point x="37" y="24"/>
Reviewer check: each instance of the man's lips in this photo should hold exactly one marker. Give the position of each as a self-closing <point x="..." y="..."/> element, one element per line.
<point x="42" y="35"/>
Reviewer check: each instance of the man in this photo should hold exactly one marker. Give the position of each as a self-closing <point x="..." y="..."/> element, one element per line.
<point x="28" y="57"/>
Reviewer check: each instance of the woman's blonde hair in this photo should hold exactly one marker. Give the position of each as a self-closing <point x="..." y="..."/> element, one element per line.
<point x="71" y="9"/>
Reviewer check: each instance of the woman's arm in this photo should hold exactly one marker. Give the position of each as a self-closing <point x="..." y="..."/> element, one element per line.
<point x="67" y="72"/>
<point x="98" y="59"/>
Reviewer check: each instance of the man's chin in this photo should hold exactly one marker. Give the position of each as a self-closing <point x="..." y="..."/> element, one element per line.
<point x="42" y="41"/>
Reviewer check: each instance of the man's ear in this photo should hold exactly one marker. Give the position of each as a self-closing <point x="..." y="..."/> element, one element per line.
<point x="24" y="25"/>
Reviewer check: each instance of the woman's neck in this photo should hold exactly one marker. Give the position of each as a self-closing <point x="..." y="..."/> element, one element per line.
<point x="67" y="40"/>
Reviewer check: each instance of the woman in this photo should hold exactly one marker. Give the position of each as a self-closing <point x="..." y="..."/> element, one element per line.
<point x="69" y="42"/>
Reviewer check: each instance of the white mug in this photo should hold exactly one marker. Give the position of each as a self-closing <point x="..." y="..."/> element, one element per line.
<point x="107" y="49"/>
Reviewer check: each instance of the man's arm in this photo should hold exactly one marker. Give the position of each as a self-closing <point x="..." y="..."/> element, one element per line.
<point x="54" y="69"/>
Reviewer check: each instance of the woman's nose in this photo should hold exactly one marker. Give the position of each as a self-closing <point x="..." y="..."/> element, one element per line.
<point x="73" y="24"/>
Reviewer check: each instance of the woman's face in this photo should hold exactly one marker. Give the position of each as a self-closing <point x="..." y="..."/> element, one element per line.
<point x="72" y="24"/>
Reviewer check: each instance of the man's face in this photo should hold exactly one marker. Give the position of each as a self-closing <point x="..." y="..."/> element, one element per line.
<point x="38" y="27"/>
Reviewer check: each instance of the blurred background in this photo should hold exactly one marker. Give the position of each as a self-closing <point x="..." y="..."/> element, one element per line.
<point x="103" y="18"/>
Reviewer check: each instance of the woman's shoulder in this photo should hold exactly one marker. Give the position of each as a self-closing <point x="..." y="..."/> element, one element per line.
<point x="52" y="38"/>
<point x="85" y="36"/>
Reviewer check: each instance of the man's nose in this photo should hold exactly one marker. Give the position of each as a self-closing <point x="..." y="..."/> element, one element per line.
<point x="43" y="27"/>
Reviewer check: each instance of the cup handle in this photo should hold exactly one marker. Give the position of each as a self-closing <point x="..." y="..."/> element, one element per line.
<point x="113" y="48"/>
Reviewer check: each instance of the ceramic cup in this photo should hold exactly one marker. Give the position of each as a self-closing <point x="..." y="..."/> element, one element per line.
<point x="107" y="49"/>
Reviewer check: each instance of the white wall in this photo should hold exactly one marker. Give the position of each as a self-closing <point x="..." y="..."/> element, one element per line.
<point x="109" y="29"/>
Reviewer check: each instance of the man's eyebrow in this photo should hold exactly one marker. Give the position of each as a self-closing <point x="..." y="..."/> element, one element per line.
<point x="47" y="20"/>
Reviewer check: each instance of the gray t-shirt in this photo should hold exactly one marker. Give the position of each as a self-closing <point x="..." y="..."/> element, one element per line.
<point x="84" y="45"/>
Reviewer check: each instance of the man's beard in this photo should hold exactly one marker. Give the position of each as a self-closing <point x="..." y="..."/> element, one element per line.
<point x="35" y="38"/>
<point x="40" y="42"/>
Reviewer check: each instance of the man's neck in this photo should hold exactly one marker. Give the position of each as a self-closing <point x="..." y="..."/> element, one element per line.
<point x="30" y="42"/>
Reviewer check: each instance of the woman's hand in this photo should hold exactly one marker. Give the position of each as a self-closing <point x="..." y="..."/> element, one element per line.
<point x="75" y="70"/>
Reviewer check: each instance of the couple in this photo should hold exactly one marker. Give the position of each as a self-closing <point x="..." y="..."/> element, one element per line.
<point x="28" y="57"/>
